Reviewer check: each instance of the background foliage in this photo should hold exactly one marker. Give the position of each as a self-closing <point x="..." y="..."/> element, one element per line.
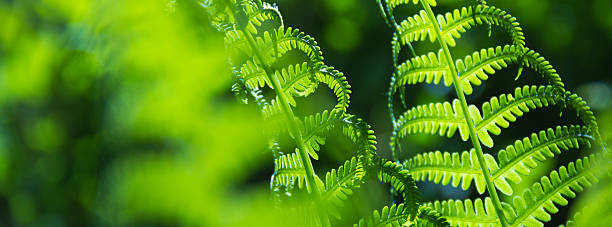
<point x="120" y="112"/>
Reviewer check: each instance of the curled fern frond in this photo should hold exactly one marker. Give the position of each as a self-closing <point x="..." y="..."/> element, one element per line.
<point x="316" y="127"/>
<point x="524" y="155"/>
<point x="341" y="183"/>
<point x="284" y="40"/>
<point x="396" y="215"/>
<point x="260" y="15"/>
<point x="445" y="167"/>
<point x="537" y="62"/>
<point x="401" y="180"/>
<point x="336" y="81"/>
<point x="538" y="202"/>
<point x="584" y="112"/>
<point x="467" y="213"/>
<point x="253" y="75"/>
<point x="289" y="171"/>
<point x="418" y="27"/>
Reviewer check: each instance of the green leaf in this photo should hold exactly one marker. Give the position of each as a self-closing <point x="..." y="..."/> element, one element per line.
<point x="430" y="68"/>
<point x="452" y="24"/>
<point x="341" y="183"/>
<point x="392" y="4"/>
<point x="434" y="118"/>
<point x="524" y="155"/>
<point x="535" y="61"/>
<point x="475" y="67"/>
<point x="289" y="171"/>
<point x="430" y="217"/>
<point x="401" y="180"/>
<point x="445" y="168"/>
<point x="315" y="128"/>
<point x="538" y="202"/>
<point x="396" y="215"/>
<point x="467" y="213"/>
<point x="500" y="111"/>
<point x="336" y="81"/>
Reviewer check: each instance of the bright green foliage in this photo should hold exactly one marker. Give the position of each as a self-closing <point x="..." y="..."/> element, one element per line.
<point x="418" y="27"/>
<point x="524" y="155"/>
<point x="341" y="183"/>
<point x="497" y="113"/>
<point x="401" y="180"/>
<point x="512" y="163"/>
<point x="536" y="204"/>
<point x="446" y="167"/>
<point x="468" y="212"/>
<point x="430" y="217"/>
<point x="478" y="124"/>
<point x="289" y="171"/>
<point x="396" y="215"/>
<point x="258" y="42"/>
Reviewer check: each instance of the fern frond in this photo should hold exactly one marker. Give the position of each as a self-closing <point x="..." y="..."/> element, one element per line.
<point x="445" y="167"/>
<point x="538" y="202"/>
<point x="336" y="81"/>
<point x="418" y="27"/>
<point x="467" y="213"/>
<point x="396" y="215"/>
<point x="300" y="81"/>
<point x="438" y="118"/>
<point x="392" y="4"/>
<point x="296" y="81"/>
<point x="253" y="75"/>
<point x="584" y="112"/>
<point x="515" y="160"/>
<point x="430" y="218"/>
<point x="430" y="68"/>
<point x="519" y="159"/>
<point x="315" y="127"/>
<point x="289" y="171"/>
<point x="535" y="61"/>
<point x="361" y="133"/>
<point x="272" y="110"/>
<point x="266" y="13"/>
<point x="442" y="118"/>
<point x="474" y="68"/>
<point x="284" y="40"/>
<point x="401" y="180"/>
<point x="499" y="111"/>
<point x="340" y="184"/>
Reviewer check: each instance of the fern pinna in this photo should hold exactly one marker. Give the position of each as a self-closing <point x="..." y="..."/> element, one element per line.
<point x="257" y="41"/>
<point x="534" y="205"/>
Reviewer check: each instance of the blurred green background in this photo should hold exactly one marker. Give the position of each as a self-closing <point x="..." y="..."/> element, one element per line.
<point x="120" y="112"/>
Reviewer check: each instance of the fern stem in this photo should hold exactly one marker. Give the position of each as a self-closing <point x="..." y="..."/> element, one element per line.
<point x="464" y="106"/>
<point x="293" y="127"/>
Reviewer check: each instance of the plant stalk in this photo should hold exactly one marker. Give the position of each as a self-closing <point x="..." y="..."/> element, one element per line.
<point x="293" y="127"/>
<point x="464" y="106"/>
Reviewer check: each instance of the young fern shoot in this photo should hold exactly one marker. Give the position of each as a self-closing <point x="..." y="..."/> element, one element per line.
<point x="479" y="125"/>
